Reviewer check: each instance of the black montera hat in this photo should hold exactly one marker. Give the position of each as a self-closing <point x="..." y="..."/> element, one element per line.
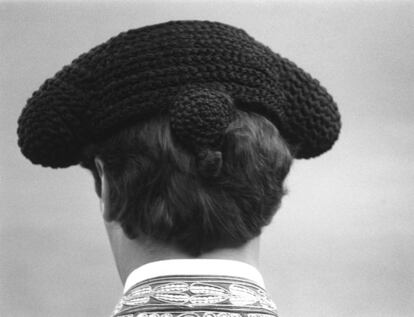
<point x="197" y="71"/>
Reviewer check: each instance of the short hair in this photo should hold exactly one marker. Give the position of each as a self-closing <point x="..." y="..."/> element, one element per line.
<point x="156" y="189"/>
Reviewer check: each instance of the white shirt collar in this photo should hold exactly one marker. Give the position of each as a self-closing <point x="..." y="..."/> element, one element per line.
<point x="194" y="267"/>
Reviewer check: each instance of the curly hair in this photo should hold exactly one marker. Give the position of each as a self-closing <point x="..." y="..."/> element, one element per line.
<point x="157" y="187"/>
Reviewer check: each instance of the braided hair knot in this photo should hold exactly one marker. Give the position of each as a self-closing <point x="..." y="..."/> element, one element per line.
<point x="199" y="117"/>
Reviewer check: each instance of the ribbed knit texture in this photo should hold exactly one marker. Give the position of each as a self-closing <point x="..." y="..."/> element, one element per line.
<point x="198" y="71"/>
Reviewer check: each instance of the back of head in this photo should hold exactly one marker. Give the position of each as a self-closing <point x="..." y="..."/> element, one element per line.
<point x="183" y="115"/>
<point x="159" y="189"/>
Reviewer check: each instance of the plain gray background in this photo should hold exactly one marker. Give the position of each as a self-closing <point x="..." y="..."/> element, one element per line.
<point x="342" y="243"/>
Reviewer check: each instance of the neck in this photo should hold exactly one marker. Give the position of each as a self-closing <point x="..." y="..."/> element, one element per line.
<point x="131" y="254"/>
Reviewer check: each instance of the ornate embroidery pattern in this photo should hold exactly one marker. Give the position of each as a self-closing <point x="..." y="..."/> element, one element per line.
<point x="186" y="293"/>
<point x="193" y="314"/>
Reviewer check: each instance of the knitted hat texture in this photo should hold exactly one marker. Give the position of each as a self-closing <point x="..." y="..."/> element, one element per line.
<point x="199" y="117"/>
<point x="197" y="71"/>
